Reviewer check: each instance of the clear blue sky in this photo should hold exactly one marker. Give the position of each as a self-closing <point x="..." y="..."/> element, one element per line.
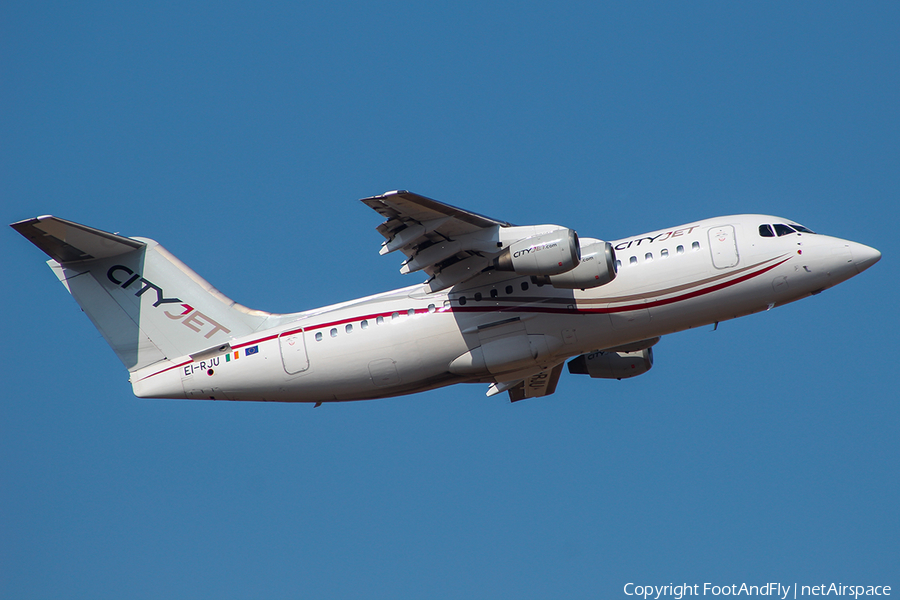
<point x="241" y="135"/>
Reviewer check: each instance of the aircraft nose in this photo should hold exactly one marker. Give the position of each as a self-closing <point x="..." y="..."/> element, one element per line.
<point x="864" y="256"/>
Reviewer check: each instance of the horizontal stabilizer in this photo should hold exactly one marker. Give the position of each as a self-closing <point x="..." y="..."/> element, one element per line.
<point x="65" y="241"/>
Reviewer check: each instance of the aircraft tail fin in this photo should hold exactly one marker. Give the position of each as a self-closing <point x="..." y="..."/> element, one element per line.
<point x="147" y="304"/>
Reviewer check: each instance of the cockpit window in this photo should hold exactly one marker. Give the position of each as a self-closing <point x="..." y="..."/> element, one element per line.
<point x="782" y="229"/>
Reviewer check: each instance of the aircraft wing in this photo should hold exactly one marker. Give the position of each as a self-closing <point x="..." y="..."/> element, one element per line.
<point x="533" y="386"/>
<point x="450" y="244"/>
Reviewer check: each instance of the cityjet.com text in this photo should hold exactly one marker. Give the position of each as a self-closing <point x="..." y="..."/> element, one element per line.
<point x="773" y="590"/>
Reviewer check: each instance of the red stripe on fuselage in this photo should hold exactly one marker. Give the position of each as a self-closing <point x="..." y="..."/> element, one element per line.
<point x="516" y="308"/>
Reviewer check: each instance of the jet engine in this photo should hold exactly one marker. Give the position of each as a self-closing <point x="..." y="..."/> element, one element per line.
<point x="597" y="267"/>
<point x="545" y="254"/>
<point x="612" y="365"/>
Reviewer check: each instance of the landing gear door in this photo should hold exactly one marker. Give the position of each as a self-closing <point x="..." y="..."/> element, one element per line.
<point x="723" y="246"/>
<point x="293" y="352"/>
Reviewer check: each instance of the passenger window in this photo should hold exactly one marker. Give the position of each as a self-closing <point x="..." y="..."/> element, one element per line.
<point x="618" y="264"/>
<point x="695" y="246"/>
<point x="431" y="308"/>
<point x="524" y="285"/>
<point x="410" y="312"/>
<point x="493" y="293"/>
<point x="509" y="289"/>
<point x="349" y="328"/>
<point x="781" y="230"/>
<point x="648" y="257"/>
<point x="395" y="316"/>
<point x="679" y="250"/>
<point x="379" y="320"/>
<point x="364" y="324"/>
<point x="766" y="231"/>
<point x="333" y="332"/>
<point x="462" y="300"/>
<point x="319" y="336"/>
<point x="478" y="296"/>
<point x="664" y="253"/>
<point x="632" y="260"/>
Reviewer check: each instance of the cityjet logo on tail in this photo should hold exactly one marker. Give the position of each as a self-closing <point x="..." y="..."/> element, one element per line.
<point x="197" y="321"/>
<point x="191" y="318"/>
<point x="160" y="299"/>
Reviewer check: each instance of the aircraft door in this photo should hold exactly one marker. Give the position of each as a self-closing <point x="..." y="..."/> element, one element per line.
<point x="723" y="246"/>
<point x="293" y="352"/>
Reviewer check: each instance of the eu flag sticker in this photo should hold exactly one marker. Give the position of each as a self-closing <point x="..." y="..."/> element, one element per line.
<point x="251" y="350"/>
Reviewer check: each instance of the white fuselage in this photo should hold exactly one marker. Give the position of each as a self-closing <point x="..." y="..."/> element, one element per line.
<point x="409" y="340"/>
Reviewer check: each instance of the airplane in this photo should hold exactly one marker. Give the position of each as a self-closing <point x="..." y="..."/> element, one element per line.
<point x="503" y="305"/>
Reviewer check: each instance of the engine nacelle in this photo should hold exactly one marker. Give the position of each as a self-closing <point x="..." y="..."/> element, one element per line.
<point x="549" y="253"/>
<point x="597" y="267"/>
<point x="612" y="365"/>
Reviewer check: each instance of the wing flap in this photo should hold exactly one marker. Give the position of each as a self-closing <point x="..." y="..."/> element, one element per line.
<point x="458" y="272"/>
<point x="539" y="384"/>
